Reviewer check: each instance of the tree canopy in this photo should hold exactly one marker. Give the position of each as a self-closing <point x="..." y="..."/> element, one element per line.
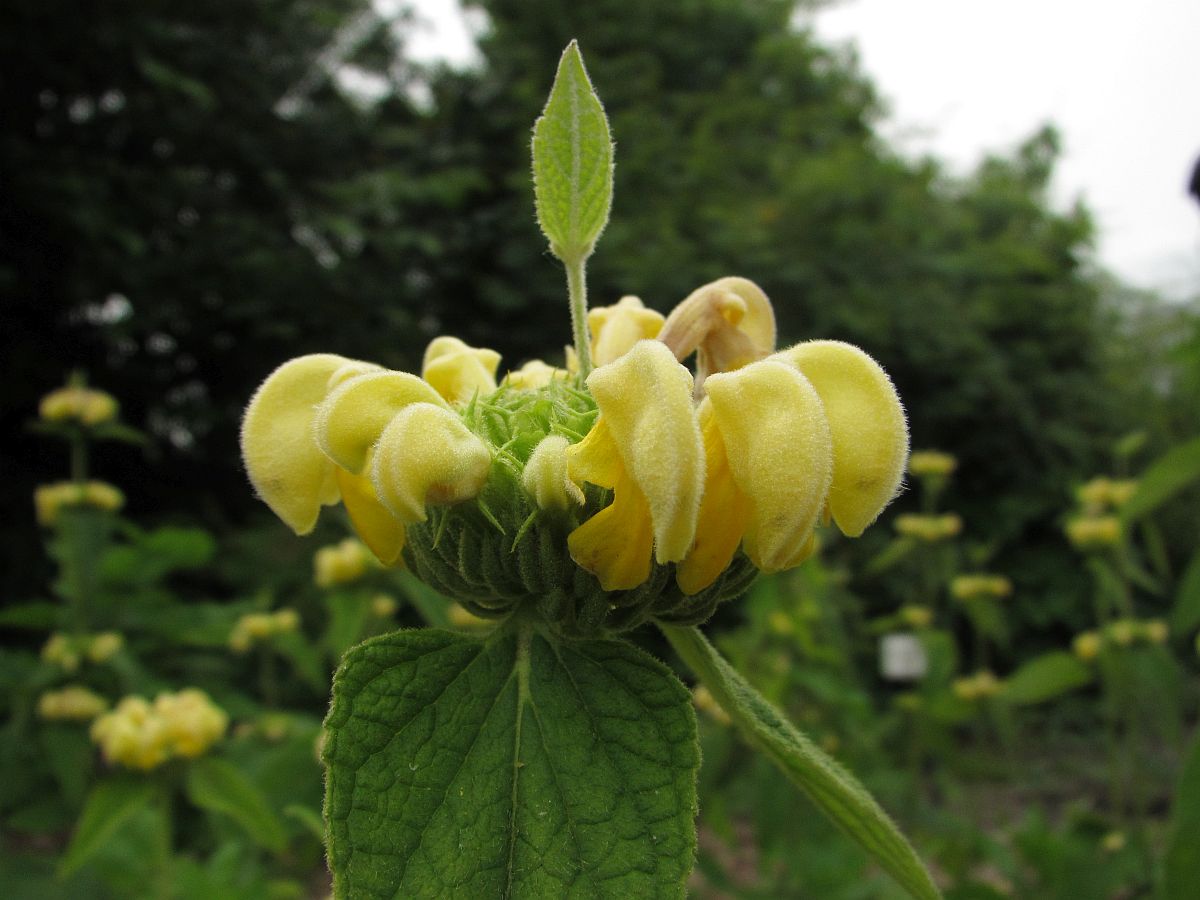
<point x="191" y="197"/>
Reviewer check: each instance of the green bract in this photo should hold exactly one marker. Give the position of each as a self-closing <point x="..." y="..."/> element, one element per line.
<point x="499" y="552"/>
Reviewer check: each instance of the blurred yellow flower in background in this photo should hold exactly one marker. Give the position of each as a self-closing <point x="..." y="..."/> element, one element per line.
<point x="923" y="463"/>
<point x="73" y="703"/>
<point x="340" y="563"/>
<point x="87" y="406"/>
<point x="141" y="735"/>
<point x="50" y="499"/>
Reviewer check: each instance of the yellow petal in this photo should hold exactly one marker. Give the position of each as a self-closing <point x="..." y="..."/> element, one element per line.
<point x="286" y="467"/>
<point x="459" y="371"/>
<point x="866" y="420"/>
<point x="595" y="459"/>
<point x="645" y="399"/>
<point x="427" y="455"/>
<point x="533" y="375"/>
<point x="724" y="514"/>
<point x="615" y="329"/>
<point x="729" y="322"/>
<point x="615" y="543"/>
<point x="545" y="475"/>
<point x="379" y="529"/>
<point x="353" y="416"/>
<point x="779" y="449"/>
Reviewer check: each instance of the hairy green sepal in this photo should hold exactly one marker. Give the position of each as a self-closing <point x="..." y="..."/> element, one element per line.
<point x="518" y="766"/>
<point x="572" y="162"/>
<point x="834" y="790"/>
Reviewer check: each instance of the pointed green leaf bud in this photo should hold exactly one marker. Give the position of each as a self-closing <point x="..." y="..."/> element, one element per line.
<point x="572" y="162"/>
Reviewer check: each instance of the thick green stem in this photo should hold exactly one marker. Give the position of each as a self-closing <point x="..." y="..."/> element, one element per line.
<point x="577" y="295"/>
<point x="835" y="792"/>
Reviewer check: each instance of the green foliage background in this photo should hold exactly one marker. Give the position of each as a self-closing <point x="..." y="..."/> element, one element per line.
<point x="190" y="198"/>
<point x="190" y="195"/>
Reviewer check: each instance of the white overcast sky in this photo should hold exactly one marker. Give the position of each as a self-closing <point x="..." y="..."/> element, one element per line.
<point x="961" y="78"/>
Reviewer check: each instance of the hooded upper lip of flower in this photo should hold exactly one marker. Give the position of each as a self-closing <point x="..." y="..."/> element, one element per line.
<point x="750" y="453"/>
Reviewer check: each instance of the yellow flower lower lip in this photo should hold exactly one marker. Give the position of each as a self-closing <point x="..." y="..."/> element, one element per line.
<point x="646" y="447"/>
<point x="768" y="471"/>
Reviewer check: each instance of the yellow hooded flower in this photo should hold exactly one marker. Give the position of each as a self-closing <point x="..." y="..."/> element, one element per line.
<point x="50" y="499"/>
<point x="340" y="563"/>
<point x="104" y="646"/>
<point x="615" y="329"/>
<point x="784" y="437"/>
<point x="768" y="468"/>
<point x="1094" y="532"/>
<point x="459" y="371"/>
<point x="546" y="478"/>
<point x="427" y="455"/>
<point x="867" y="426"/>
<point x="727" y="323"/>
<point x="132" y="735"/>
<point x="317" y="429"/>
<point x="288" y="469"/>
<point x="191" y="721"/>
<point x="533" y="375"/>
<point x="971" y="587"/>
<point x="928" y="528"/>
<point x="646" y="447"/>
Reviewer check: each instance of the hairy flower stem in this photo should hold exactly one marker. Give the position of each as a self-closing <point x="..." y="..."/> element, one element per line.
<point x="577" y="295"/>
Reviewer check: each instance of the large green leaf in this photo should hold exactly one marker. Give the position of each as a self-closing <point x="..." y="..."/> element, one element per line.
<point x="514" y="767"/>
<point x="1046" y="677"/>
<point x="219" y="786"/>
<point x="1181" y="865"/>
<point x="110" y="804"/>
<point x="1165" y="478"/>
<point x="572" y="162"/>
<point x="834" y="790"/>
